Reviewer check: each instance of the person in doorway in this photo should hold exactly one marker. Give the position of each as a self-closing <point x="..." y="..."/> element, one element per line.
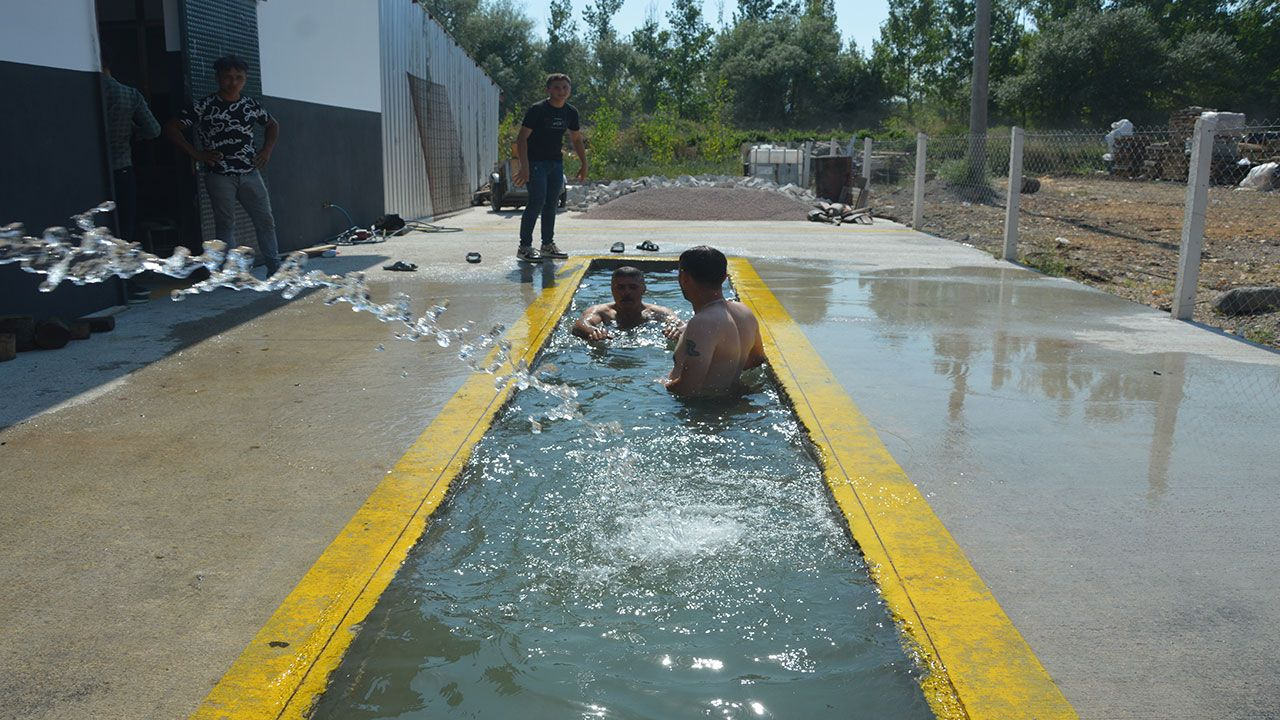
<point x="129" y="119"/>
<point x="722" y="339"/>
<point x="540" y="147"/>
<point x="628" y="309"/>
<point x="224" y="124"/>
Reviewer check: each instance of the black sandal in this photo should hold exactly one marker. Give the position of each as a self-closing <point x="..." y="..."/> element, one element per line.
<point x="647" y="246"/>
<point x="473" y="257"/>
<point x="617" y="247"/>
<point x="400" y="266"/>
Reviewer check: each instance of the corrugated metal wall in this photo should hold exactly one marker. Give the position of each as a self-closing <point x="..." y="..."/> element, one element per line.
<point x="415" y="45"/>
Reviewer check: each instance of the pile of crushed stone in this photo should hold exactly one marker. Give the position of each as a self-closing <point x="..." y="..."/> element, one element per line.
<point x="702" y="203"/>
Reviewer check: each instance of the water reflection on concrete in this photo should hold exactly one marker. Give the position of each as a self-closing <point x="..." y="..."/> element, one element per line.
<point x="1108" y="470"/>
<point x="1010" y="335"/>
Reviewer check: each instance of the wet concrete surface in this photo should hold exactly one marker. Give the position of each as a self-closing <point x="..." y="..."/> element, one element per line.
<point x="1109" y="471"/>
<point x="1104" y="468"/>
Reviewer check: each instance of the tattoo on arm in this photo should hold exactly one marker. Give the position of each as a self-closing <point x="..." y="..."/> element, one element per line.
<point x="689" y="348"/>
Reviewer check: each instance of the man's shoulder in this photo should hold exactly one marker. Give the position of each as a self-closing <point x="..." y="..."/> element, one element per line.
<point x="740" y="311"/>
<point x="534" y="112"/>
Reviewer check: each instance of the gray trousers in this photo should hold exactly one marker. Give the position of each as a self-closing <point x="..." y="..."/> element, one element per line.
<point x="251" y="192"/>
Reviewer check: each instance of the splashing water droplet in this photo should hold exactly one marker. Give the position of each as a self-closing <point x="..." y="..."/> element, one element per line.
<point x="92" y="255"/>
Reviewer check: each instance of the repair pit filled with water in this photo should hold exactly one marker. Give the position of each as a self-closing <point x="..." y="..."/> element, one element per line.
<point x="657" y="558"/>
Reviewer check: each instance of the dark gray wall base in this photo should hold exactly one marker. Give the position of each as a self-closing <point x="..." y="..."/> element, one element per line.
<point x="55" y="165"/>
<point x="326" y="154"/>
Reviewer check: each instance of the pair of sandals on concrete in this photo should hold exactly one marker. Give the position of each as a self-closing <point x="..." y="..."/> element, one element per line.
<point x="646" y="246"/>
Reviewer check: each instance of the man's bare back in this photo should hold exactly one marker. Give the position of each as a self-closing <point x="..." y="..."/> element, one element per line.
<point x="722" y="339"/>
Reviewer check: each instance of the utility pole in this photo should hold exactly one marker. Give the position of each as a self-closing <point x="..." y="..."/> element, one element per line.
<point x="978" y="93"/>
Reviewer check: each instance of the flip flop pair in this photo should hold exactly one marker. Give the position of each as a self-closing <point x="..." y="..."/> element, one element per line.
<point x="647" y="246"/>
<point x="400" y="266"/>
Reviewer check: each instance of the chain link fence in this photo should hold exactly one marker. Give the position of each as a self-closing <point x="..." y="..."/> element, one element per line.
<point x="1109" y="208"/>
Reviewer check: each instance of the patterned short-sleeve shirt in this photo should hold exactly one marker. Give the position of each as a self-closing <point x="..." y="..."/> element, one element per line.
<point x="227" y="127"/>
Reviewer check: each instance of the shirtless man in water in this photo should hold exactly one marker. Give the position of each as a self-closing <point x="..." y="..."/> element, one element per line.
<point x="627" y="310"/>
<point x="722" y="339"/>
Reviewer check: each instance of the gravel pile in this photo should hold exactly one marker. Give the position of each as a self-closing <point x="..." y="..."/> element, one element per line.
<point x="585" y="197"/>
<point x="701" y="203"/>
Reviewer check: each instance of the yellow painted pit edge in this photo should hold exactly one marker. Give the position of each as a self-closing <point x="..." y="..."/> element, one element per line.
<point x="978" y="665"/>
<point x="313" y="627"/>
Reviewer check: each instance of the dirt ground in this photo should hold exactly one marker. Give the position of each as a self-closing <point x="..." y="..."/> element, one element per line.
<point x="1121" y="236"/>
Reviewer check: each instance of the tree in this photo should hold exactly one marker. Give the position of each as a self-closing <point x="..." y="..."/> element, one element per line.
<point x="564" y="50"/>
<point x="451" y="14"/>
<point x="647" y="64"/>
<point x="690" y="35"/>
<point x="608" y="54"/>
<point x="1090" y="67"/>
<point x="499" y="37"/>
<point x="911" y="49"/>
<point x="1204" y="69"/>
<point x="759" y="60"/>
<point x="1258" y="37"/>
<point x="856" y="93"/>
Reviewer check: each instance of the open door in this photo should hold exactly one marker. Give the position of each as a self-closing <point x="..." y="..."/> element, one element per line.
<point x="139" y="39"/>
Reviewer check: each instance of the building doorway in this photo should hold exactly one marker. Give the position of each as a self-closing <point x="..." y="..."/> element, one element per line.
<point x="141" y="38"/>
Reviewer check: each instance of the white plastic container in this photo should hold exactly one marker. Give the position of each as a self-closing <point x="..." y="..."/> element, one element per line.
<point x="781" y="165"/>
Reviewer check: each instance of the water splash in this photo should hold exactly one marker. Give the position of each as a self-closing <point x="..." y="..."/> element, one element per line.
<point x="88" y="254"/>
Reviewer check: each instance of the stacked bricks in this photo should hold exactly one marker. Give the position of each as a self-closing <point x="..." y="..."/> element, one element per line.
<point x="1169" y="160"/>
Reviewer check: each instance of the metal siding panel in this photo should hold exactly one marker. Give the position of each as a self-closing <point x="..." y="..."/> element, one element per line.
<point x="412" y="43"/>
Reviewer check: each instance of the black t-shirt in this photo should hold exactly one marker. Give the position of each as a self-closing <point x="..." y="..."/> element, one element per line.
<point x="548" y="124"/>
<point x="228" y="128"/>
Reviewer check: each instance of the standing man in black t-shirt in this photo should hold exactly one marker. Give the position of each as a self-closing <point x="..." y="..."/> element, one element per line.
<point x="224" y="121"/>
<point x="539" y="145"/>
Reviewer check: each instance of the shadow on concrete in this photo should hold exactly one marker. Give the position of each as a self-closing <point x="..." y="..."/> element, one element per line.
<point x="39" y="380"/>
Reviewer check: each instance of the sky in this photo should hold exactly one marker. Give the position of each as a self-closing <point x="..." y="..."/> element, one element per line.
<point x="859" y="20"/>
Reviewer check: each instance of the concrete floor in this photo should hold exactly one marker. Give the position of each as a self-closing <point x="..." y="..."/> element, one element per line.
<point x="1110" y="472"/>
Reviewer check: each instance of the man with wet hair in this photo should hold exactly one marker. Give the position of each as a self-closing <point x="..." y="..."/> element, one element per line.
<point x="224" y="122"/>
<point x="722" y="339"/>
<point x="628" y="309"/>
<point x="540" y="146"/>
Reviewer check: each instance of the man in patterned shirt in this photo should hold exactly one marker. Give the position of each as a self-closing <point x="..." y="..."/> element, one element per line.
<point x="224" y="123"/>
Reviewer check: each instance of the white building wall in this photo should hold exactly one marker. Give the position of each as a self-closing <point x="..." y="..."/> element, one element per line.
<point x="50" y="33"/>
<point x="411" y="42"/>
<point x="321" y="51"/>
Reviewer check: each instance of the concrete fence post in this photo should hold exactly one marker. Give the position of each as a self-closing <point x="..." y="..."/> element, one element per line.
<point x="866" y="160"/>
<point x="1014" y="197"/>
<point x="805" y="154"/>
<point x="1193" y="219"/>
<point x="917" y="205"/>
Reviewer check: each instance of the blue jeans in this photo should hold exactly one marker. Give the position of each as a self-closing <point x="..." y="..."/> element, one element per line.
<point x="546" y="178"/>
<point x="251" y="192"/>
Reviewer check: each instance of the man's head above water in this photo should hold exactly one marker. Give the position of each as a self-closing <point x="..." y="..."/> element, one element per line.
<point x="628" y="288"/>
<point x="705" y="265"/>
